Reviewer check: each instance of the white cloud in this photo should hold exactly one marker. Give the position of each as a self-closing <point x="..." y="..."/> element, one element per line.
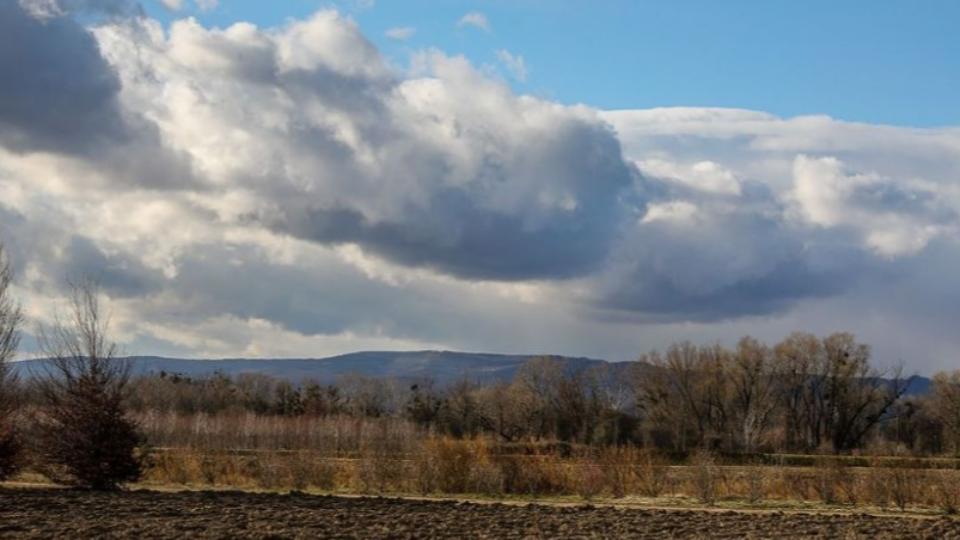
<point x="401" y="33"/>
<point x="207" y="5"/>
<point x="514" y="64"/>
<point x="703" y="175"/>
<point x="893" y="217"/>
<point x="173" y="5"/>
<point x="476" y="20"/>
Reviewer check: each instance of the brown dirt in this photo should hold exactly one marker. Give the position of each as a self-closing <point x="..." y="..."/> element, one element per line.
<point x="45" y="513"/>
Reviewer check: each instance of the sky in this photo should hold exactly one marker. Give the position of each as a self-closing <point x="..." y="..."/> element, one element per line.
<point x="856" y="60"/>
<point x="300" y="179"/>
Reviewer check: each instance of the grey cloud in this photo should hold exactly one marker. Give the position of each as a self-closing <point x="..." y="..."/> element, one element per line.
<point x="455" y="234"/>
<point x="119" y="275"/>
<point x="57" y="93"/>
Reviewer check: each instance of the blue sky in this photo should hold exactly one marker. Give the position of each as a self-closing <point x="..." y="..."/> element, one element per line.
<point x="892" y="62"/>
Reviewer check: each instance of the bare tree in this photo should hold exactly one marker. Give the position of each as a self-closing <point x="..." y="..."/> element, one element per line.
<point x="11" y="318"/>
<point x="687" y="391"/>
<point x="858" y="394"/>
<point x="801" y="371"/>
<point x="945" y="396"/>
<point x="754" y="391"/>
<point x="86" y="438"/>
<point x="830" y="391"/>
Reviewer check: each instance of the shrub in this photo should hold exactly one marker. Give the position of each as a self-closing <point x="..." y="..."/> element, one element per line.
<point x="756" y="481"/>
<point x="946" y="491"/>
<point x="10" y="318"/>
<point x="85" y="436"/>
<point x="589" y="481"/>
<point x="903" y="486"/>
<point x="877" y="485"/>
<point x="706" y="476"/>
<point x="833" y="481"/>
<point x="653" y="474"/>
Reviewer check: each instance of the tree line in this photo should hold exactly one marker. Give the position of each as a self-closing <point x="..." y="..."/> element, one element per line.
<point x="804" y="394"/>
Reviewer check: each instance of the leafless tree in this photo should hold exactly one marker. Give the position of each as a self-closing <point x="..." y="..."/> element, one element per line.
<point x="831" y="393"/>
<point x="11" y="318"/>
<point x="85" y="437"/>
<point x="754" y="391"/>
<point x="687" y="391"/>
<point x="945" y="396"/>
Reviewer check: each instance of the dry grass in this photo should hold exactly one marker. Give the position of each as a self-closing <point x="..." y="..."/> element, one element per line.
<point x="443" y="466"/>
<point x="347" y="455"/>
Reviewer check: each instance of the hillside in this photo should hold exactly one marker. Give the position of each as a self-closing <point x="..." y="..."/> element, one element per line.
<point x="441" y="366"/>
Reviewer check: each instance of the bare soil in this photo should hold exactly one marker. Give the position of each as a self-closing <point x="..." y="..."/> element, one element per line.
<point x="48" y="512"/>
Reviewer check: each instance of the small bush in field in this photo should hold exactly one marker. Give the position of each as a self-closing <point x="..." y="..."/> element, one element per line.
<point x="589" y="481"/>
<point x="454" y="461"/>
<point x="833" y="481"/>
<point x="378" y="472"/>
<point x="877" y="486"/>
<point x="533" y="475"/>
<point x="903" y="486"/>
<point x="706" y="476"/>
<point x="323" y="475"/>
<point x="797" y="484"/>
<point x="653" y="474"/>
<point x="756" y="481"/>
<point x="425" y="474"/>
<point x="616" y="465"/>
<point x="946" y="491"/>
<point x="11" y="451"/>
<point x="457" y="466"/>
<point x="486" y="477"/>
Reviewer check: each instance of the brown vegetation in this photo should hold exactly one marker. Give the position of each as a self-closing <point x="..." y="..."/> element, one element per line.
<point x="10" y="319"/>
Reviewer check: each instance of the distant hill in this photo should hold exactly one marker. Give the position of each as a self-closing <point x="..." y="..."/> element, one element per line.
<point x="441" y="366"/>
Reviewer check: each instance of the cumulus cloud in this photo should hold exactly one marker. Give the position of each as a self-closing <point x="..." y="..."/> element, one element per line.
<point x="449" y="170"/>
<point x="893" y="217"/>
<point x="286" y="191"/>
<point x="400" y="33"/>
<point x="476" y="20"/>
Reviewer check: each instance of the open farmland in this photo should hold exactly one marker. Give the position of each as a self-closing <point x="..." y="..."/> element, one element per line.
<point x="45" y="513"/>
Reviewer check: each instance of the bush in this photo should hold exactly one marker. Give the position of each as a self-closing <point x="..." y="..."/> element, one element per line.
<point x="706" y="476"/>
<point x="11" y="451"/>
<point x="589" y="481"/>
<point x="85" y="437"/>
<point x="756" y="480"/>
<point x="833" y="481"/>
<point x="87" y="442"/>
<point x="653" y="474"/>
<point x="946" y="491"/>
<point x="10" y="318"/>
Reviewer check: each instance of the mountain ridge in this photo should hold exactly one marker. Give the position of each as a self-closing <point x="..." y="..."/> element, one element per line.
<point x="441" y="366"/>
